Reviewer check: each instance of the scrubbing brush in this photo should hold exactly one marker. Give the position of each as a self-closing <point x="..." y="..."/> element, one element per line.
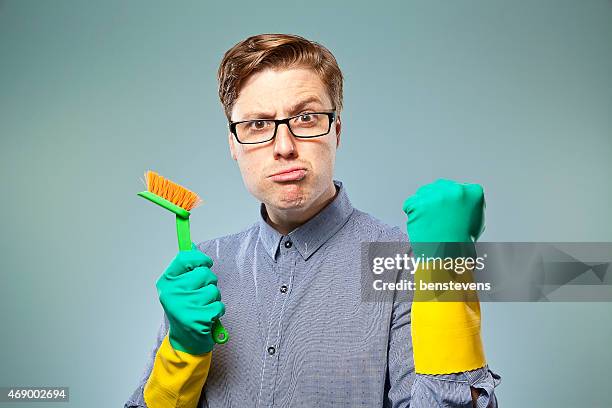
<point x="181" y="201"/>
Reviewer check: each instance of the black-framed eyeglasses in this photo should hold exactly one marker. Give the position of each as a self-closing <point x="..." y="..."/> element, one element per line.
<point x="305" y="125"/>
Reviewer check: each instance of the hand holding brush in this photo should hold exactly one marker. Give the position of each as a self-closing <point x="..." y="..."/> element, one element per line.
<point x="188" y="288"/>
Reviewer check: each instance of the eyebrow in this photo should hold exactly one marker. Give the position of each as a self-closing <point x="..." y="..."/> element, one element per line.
<point x="292" y="111"/>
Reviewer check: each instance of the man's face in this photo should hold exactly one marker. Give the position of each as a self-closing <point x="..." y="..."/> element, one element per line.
<point x="277" y="94"/>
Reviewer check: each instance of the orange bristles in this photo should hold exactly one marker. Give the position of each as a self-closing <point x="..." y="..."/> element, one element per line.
<point x="171" y="191"/>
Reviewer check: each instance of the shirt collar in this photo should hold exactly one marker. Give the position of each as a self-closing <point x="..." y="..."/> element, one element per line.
<point x="308" y="237"/>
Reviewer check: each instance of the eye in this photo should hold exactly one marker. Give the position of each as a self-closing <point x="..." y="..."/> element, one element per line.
<point x="258" y="124"/>
<point x="305" y="118"/>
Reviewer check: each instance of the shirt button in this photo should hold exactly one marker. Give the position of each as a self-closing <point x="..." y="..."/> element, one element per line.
<point x="271" y="350"/>
<point x="288" y="244"/>
<point x="283" y="289"/>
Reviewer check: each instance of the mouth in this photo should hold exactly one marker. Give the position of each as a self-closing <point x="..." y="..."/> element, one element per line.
<point x="290" y="174"/>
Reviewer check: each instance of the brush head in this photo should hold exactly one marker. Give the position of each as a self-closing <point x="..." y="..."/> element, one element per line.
<point x="169" y="190"/>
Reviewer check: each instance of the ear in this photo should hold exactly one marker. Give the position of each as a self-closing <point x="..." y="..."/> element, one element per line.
<point x="230" y="140"/>
<point x="338" y="130"/>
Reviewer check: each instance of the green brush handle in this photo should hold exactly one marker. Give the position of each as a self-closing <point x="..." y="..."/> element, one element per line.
<point x="183" y="233"/>
<point x="219" y="334"/>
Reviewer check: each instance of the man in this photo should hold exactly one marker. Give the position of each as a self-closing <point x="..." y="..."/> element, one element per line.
<point x="301" y="334"/>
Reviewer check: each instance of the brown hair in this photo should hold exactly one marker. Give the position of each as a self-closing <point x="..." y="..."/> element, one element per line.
<point x="263" y="51"/>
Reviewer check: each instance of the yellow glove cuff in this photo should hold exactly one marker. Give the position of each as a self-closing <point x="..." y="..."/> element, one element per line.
<point x="177" y="378"/>
<point x="446" y="335"/>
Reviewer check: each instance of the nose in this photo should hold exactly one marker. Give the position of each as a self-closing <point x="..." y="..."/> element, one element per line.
<point x="284" y="143"/>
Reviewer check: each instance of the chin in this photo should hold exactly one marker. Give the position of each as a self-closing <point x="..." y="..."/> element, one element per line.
<point x="289" y="196"/>
<point x="288" y="202"/>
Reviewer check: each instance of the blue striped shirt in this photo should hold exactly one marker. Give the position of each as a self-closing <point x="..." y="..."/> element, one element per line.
<point x="301" y="334"/>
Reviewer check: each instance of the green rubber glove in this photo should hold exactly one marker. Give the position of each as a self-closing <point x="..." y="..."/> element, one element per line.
<point x="444" y="211"/>
<point x="445" y="334"/>
<point x="189" y="295"/>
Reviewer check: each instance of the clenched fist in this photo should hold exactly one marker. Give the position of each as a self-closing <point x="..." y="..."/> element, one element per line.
<point x="189" y="295"/>
<point x="444" y="211"/>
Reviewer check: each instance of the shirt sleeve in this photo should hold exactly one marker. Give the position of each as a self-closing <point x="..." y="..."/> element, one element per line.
<point x="405" y="388"/>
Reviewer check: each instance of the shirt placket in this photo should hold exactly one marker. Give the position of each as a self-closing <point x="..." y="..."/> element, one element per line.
<point x="285" y="267"/>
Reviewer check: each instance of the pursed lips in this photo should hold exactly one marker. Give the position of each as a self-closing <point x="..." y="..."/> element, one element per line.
<point x="289" y="174"/>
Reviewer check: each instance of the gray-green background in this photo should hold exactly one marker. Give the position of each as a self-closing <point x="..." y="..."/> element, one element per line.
<point x="514" y="95"/>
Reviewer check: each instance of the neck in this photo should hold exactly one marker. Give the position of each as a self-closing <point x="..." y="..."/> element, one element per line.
<point x="285" y="221"/>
